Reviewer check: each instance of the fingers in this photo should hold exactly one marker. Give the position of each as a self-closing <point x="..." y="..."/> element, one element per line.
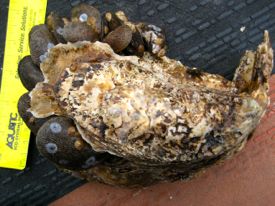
<point x="59" y="141"/>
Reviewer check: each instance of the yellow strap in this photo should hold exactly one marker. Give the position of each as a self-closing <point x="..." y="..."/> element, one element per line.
<point x="14" y="134"/>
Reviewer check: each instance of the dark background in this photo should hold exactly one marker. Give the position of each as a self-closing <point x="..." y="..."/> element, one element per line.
<point x="201" y="33"/>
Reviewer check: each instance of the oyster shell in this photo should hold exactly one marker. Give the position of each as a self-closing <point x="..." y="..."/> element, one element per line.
<point x="156" y="114"/>
<point x="134" y="120"/>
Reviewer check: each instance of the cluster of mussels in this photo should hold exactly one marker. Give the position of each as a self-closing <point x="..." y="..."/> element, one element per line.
<point x="57" y="138"/>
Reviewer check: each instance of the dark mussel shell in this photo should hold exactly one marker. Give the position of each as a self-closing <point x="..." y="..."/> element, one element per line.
<point x="32" y="123"/>
<point x="56" y="25"/>
<point x="120" y="38"/>
<point x="59" y="141"/>
<point x="40" y="40"/>
<point x="79" y="31"/>
<point x="88" y="14"/>
<point x="29" y="73"/>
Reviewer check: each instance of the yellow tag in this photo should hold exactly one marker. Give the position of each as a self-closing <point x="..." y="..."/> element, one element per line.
<point x="14" y="134"/>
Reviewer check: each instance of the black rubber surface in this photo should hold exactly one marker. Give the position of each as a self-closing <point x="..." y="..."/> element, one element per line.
<point x="203" y="33"/>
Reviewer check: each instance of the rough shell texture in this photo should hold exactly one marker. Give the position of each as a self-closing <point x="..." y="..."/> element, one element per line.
<point x="164" y="119"/>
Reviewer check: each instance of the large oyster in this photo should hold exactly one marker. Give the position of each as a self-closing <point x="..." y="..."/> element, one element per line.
<point x="140" y="120"/>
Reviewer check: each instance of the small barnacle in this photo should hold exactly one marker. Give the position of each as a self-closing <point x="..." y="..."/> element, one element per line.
<point x="91" y="161"/>
<point x="43" y="57"/>
<point x="60" y="31"/>
<point x="50" y="45"/>
<point x="55" y="127"/>
<point x="83" y="17"/>
<point x="51" y="148"/>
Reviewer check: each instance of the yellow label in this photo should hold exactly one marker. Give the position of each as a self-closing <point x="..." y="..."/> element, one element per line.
<point x="14" y="134"/>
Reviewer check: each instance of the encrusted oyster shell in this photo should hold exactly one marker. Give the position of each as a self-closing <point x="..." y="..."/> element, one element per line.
<point x="161" y="117"/>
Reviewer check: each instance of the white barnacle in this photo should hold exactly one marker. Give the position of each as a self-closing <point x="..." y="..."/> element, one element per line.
<point x="51" y="148"/>
<point x="182" y="129"/>
<point x="83" y="17"/>
<point x="55" y="127"/>
<point x="60" y="30"/>
<point x="43" y="57"/>
<point x="50" y="45"/>
<point x="89" y="162"/>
